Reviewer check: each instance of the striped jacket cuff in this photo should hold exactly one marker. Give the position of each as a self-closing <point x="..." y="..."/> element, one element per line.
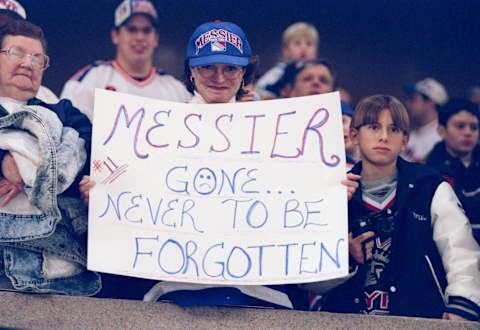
<point x="463" y="307"/>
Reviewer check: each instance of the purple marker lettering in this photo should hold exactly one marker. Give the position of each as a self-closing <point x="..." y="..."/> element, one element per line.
<point x="252" y="136"/>
<point x="158" y="124"/>
<point x="212" y="148"/>
<point x="315" y="123"/>
<point x="273" y="154"/>
<point x="122" y="110"/>
<point x="197" y="138"/>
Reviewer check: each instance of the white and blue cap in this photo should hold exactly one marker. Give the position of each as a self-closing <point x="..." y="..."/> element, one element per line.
<point x="12" y="8"/>
<point x="129" y="8"/>
<point x="218" y="43"/>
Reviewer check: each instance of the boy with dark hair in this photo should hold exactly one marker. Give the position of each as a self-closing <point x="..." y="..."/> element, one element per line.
<point x="410" y="243"/>
<point x="457" y="157"/>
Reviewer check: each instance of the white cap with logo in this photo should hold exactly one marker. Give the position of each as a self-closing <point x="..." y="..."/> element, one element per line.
<point x="14" y="7"/>
<point x="433" y="90"/>
<point x="128" y="8"/>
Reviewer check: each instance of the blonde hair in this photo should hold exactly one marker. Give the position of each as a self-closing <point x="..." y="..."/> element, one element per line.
<point x="298" y="30"/>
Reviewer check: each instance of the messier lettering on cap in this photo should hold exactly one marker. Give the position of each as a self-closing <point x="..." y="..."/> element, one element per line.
<point x="215" y="35"/>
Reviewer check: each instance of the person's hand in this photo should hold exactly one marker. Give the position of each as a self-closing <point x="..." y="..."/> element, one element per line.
<point x="351" y="183"/>
<point x="8" y="191"/>
<point x="85" y="185"/>
<point x="356" y="246"/>
<point x="10" y="170"/>
<point x="249" y="94"/>
<point x="453" y="317"/>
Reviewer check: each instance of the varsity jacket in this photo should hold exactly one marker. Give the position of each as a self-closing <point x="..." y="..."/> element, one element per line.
<point x="465" y="180"/>
<point x="432" y="242"/>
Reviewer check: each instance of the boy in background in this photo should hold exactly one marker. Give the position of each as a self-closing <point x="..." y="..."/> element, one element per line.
<point x="411" y="248"/>
<point x="300" y="42"/>
<point x="457" y="157"/>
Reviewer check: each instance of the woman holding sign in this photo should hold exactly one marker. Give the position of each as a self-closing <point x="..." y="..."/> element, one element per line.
<point x="218" y="66"/>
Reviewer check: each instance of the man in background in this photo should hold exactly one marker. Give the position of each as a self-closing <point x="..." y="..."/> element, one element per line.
<point x="423" y="101"/>
<point x="135" y="36"/>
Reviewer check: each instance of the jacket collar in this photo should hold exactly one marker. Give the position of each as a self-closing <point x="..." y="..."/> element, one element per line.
<point x="34" y="101"/>
<point x="439" y="155"/>
<point x="409" y="175"/>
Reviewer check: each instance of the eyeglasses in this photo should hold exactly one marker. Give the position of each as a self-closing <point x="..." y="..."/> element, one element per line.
<point x="230" y="72"/>
<point x="39" y="61"/>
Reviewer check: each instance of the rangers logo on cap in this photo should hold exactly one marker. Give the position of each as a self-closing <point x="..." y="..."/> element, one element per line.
<point x="218" y="39"/>
<point x="128" y="8"/>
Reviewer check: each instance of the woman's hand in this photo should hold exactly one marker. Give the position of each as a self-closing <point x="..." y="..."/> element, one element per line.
<point x="12" y="183"/>
<point x="8" y="191"/>
<point x="249" y="95"/>
<point x="351" y="183"/>
<point x="85" y="185"/>
<point x="10" y="170"/>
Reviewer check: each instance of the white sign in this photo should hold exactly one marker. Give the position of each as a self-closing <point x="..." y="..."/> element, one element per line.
<point x="240" y="193"/>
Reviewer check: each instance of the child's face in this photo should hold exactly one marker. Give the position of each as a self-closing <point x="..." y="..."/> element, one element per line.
<point x="461" y="134"/>
<point x="300" y="49"/>
<point x="380" y="143"/>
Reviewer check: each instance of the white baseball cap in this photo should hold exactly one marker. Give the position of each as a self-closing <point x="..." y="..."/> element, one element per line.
<point x="13" y="7"/>
<point x="128" y="8"/>
<point x="431" y="88"/>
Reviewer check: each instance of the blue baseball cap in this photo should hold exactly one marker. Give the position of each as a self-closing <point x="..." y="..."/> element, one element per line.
<point x="218" y="43"/>
<point x="346" y="109"/>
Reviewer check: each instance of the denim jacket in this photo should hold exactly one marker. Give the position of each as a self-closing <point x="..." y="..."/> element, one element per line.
<point x="56" y="230"/>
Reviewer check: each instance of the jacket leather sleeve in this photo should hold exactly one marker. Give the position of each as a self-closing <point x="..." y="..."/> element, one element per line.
<point x="459" y="251"/>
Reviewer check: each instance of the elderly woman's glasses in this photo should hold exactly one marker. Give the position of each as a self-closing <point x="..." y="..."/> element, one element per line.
<point x="39" y="61"/>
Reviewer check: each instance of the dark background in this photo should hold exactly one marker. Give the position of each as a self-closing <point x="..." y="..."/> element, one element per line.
<point x="375" y="46"/>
